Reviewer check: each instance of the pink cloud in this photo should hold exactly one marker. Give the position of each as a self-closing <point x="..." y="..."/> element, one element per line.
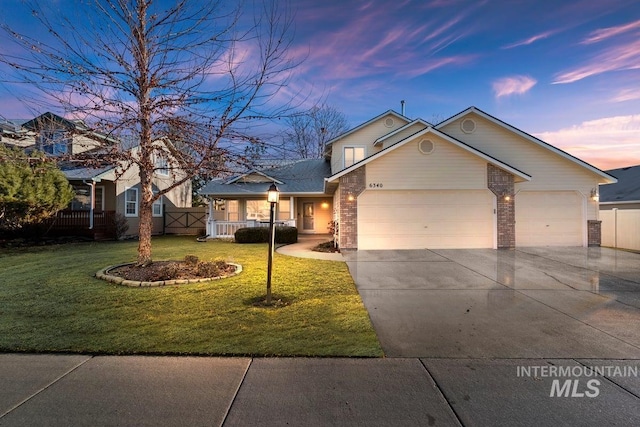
<point x="606" y="143"/>
<point x="532" y="39"/>
<point x="605" y="33"/>
<point x="514" y="85"/>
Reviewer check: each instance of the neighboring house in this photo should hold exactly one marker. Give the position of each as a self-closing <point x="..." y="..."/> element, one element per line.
<point x="471" y="181"/>
<point x="620" y="209"/>
<point x="102" y="189"/>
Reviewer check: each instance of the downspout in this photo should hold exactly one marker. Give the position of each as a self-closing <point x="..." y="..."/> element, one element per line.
<point x="92" y="201"/>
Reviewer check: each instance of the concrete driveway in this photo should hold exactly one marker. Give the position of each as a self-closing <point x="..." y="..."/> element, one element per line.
<point x="524" y="303"/>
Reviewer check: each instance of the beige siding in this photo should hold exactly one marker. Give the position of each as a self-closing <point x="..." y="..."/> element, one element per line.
<point x="447" y="167"/>
<point x="81" y="143"/>
<point x="416" y="127"/>
<point x="362" y="137"/>
<point x="549" y="171"/>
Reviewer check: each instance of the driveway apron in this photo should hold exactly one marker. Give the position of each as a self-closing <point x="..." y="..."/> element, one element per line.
<point x="483" y="303"/>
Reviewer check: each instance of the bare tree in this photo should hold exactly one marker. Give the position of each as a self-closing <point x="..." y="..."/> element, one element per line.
<point x="308" y="132"/>
<point x="144" y="70"/>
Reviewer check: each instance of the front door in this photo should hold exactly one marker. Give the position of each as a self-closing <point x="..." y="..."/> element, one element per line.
<point x="307" y="216"/>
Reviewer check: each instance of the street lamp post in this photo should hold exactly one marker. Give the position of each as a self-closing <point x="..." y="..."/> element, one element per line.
<point x="273" y="196"/>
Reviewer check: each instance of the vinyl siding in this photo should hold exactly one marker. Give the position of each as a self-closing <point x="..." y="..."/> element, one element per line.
<point x="549" y="171"/>
<point x="363" y="137"/>
<point x="416" y="127"/>
<point x="447" y="167"/>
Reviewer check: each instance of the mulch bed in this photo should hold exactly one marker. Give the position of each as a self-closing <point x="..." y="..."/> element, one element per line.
<point x="173" y="270"/>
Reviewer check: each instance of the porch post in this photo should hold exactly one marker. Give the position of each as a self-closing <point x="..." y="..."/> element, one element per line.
<point x="291" y="208"/>
<point x="211" y="223"/>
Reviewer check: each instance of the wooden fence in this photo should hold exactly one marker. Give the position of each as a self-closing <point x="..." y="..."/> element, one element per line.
<point x="621" y="228"/>
<point x="191" y="221"/>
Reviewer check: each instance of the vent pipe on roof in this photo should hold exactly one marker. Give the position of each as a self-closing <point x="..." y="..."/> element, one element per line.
<point x="402" y="107"/>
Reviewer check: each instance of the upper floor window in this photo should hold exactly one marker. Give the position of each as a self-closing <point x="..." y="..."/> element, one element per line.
<point x="161" y="165"/>
<point x="353" y="155"/>
<point x="54" y="141"/>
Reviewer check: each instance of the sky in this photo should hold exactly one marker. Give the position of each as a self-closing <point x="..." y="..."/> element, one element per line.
<point x="567" y="72"/>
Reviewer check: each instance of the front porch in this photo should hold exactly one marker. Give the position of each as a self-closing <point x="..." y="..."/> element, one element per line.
<point x="92" y="224"/>
<point x="310" y="215"/>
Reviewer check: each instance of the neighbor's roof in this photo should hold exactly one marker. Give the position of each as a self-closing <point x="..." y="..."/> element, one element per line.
<point x="368" y="122"/>
<point x="303" y="176"/>
<point x="627" y="189"/>
<point x="85" y="173"/>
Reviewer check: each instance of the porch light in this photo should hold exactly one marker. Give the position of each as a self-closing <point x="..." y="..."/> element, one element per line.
<point x="324" y="205"/>
<point x="350" y="198"/>
<point x="507" y="198"/>
<point x="594" y="195"/>
<point x="273" y="195"/>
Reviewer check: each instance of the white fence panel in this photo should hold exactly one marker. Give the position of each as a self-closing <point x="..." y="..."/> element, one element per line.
<point x="621" y="228"/>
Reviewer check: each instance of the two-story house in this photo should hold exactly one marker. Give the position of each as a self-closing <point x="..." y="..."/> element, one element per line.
<point x="471" y="181"/>
<point x="102" y="188"/>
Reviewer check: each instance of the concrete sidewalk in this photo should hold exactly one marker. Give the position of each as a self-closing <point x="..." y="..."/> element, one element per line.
<point x="306" y="242"/>
<point x="77" y="390"/>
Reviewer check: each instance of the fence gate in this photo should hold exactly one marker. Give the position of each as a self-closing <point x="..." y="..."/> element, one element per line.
<point x="191" y="221"/>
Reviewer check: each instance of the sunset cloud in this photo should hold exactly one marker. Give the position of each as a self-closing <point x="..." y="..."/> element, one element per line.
<point x="606" y="143"/>
<point x="513" y="85"/>
<point x="605" y="33"/>
<point x="531" y="39"/>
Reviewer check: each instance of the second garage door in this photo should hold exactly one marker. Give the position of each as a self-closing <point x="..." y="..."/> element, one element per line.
<point x="419" y="219"/>
<point x="549" y="218"/>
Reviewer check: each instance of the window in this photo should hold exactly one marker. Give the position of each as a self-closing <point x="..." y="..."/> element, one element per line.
<point x="157" y="207"/>
<point x="131" y="202"/>
<point x="55" y="141"/>
<point x="82" y="198"/>
<point x="284" y="210"/>
<point x="232" y="210"/>
<point x="353" y="155"/>
<point x="257" y="210"/>
<point x="161" y="165"/>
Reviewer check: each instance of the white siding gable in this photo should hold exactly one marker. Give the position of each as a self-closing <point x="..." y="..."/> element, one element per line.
<point x="447" y="167"/>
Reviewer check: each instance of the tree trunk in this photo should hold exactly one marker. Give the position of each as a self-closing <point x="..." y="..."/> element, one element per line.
<point x="146" y="221"/>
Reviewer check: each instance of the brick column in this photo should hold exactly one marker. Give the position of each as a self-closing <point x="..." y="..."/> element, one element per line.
<point x="351" y="185"/>
<point x="501" y="184"/>
<point x="594" y="232"/>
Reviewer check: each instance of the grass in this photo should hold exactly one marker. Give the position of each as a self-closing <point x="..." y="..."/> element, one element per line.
<point x="50" y="302"/>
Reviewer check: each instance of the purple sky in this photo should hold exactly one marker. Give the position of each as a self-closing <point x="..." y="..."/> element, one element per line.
<point x="565" y="71"/>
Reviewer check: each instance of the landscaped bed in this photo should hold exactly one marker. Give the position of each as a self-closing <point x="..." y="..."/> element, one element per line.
<point x="52" y="303"/>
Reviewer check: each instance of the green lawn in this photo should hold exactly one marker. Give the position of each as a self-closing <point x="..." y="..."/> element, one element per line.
<point x="50" y="302"/>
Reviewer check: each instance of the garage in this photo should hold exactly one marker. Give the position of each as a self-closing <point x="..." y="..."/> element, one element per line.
<point x="549" y="218"/>
<point x="418" y="219"/>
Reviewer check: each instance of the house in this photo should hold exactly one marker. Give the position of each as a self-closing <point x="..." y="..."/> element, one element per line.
<point x="620" y="209"/>
<point x="102" y="188"/>
<point x="471" y="181"/>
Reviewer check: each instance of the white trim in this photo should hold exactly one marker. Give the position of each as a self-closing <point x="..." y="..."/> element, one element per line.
<point x="608" y="178"/>
<point x="344" y="156"/>
<point x="400" y="129"/>
<point x="270" y="179"/>
<point x="135" y="214"/>
<point x="626" y="202"/>
<point x="157" y="203"/>
<point x="375" y="119"/>
<point x="442" y="135"/>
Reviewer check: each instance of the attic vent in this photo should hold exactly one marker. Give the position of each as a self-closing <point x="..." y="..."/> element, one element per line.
<point x="388" y="122"/>
<point x="426" y="146"/>
<point x="468" y="126"/>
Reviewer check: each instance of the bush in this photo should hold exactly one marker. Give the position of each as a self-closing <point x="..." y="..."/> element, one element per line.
<point x="284" y="234"/>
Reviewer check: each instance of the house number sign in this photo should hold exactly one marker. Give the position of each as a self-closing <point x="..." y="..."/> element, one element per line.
<point x="375" y="185"/>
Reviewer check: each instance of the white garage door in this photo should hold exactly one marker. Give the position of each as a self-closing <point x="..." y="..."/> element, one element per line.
<point x="425" y="219"/>
<point x="549" y="218"/>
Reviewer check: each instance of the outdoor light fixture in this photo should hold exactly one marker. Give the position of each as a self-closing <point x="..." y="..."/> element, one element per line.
<point x="507" y="197"/>
<point x="594" y="195"/>
<point x="273" y="195"/>
<point x="324" y="205"/>
<point x="350" y="198"/>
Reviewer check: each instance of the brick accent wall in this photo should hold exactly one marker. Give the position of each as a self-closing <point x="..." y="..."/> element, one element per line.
<point x="594" y="232"/>
<point x="352" y="184"/>
<point x="502" y="185"/>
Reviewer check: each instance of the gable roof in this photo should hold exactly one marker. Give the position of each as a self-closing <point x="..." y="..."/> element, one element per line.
<point x="608" y="178"/>
<point x="627" y="189"/>
<point x="367" y="123"/>
<point x="300" y="177"/>
<point x="442" y="135"/>
<point x="400" y="129"/>
<point x="267" y="178"/>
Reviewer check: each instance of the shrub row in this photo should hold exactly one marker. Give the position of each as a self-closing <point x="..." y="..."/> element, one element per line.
<point x="284" y="234"/>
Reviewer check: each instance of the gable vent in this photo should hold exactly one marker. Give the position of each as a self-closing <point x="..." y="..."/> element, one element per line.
<point x="388" y="122"/>
<point x="468" y="126"/>
<point x="426" y="146"/>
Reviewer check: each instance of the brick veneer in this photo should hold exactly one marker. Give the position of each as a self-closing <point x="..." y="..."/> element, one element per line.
<point x="502" y="185"/>
<point x="594" y="232"/>
<point x="352" y="184"/>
